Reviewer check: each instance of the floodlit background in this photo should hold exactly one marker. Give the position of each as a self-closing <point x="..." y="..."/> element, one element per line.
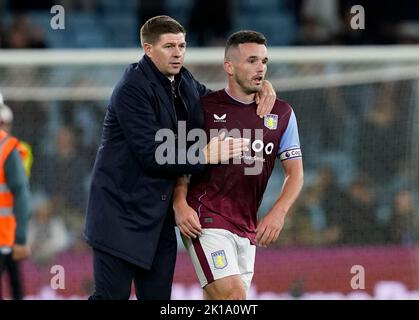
<point x="355" y="94"/>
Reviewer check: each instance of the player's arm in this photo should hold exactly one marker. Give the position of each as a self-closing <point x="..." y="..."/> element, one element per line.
<point x="289" y="153"/>
<point x="271" y="224"/>
<point x="185" y="216"/>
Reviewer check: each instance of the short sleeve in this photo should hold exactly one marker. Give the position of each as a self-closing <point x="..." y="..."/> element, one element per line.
<point x="289" y="146"/>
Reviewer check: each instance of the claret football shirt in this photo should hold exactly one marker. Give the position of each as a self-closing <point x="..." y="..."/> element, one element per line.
<point x="228" y="195"/>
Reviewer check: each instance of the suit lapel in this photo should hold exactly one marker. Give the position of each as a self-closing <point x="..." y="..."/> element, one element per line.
<point x="163" y="94"/>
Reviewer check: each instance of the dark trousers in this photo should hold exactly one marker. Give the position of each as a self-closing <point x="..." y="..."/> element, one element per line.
<point x="3" y="263"/>
<point x="15" y="278"/>
<point x="10" y="266"/>
<point x="113" y="276"/>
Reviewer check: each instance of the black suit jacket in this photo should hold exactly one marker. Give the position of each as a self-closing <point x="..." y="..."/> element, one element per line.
<point x="130" y="193"/>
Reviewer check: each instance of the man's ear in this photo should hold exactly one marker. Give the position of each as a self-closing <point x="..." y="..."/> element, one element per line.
<point x="228" y="67"/>
<point x="148" y="48"/>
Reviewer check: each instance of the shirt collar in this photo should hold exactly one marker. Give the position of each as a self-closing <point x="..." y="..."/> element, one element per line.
<point x="237" y="100"/>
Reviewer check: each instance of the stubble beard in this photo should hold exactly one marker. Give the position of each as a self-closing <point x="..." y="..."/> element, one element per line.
<point x="247" y="88"/>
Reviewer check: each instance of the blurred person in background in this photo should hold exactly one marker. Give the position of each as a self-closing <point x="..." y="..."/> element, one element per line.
<point x="25" y="151"/>
<point x="201" y="22"/>
<point x="47" y="232"/>
<point x="382" y="137"/>
<point x="24" y="148"/>
<point x="299" y="229"/>
<point x="330" y="197"/>
<point x="2" y="36"/>
<point x="320" y="22"/>
<point x="66" y="186"/>
<point x="402" y="226"/>
<point x="14" y="201"/>
<point x="23" y="34"/>
<point x="357" y="216"/>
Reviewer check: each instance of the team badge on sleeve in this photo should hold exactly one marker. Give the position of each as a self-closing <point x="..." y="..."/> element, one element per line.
<point x="219" y="259"/>
<point x="271" y="121"/>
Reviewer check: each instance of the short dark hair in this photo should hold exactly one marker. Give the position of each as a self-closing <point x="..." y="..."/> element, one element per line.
<point x="244" y="36"/>
<point x="153" y="28"/>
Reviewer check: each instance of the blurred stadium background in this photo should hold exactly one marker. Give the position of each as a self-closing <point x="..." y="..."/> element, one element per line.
<point x="355" y="94"/>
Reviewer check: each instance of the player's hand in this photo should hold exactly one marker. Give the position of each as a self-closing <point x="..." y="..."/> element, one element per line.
<point x="220" y="149"/>
<point x="265" y="99"/>
<point x="187" y="220"/>
<point x="269" y="228"/>
<point x="20" y="252"/>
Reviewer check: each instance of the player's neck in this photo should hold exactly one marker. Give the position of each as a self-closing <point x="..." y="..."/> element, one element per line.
<point x="237" y="93"/>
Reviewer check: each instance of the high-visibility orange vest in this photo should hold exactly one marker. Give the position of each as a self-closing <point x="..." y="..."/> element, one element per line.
<point x="7" y="218"/>
<point x="25" y="151"/>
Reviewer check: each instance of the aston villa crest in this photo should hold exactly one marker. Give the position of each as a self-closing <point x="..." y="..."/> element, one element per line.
<point x="219" y="259"/>
<point x="271" y="121"/>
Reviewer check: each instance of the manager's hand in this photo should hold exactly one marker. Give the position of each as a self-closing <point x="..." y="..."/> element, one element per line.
<point x="220" y="149"/>
<point x="265" y="99"/>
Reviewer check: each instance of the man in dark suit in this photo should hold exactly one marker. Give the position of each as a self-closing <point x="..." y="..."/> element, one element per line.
<point x="130" y="223"/>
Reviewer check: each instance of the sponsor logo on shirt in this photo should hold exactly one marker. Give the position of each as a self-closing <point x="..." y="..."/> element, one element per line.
<point x="218" y="118"/>
<point x="219" y="259"/>
<point x="270" y="121"/>
<point x="260" y="149"/>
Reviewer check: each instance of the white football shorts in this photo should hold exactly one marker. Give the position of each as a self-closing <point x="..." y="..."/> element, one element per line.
<point x="219" y="253"/>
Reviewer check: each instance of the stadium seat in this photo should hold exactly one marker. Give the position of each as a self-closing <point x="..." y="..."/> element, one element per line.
<point x="278" y="28"/>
